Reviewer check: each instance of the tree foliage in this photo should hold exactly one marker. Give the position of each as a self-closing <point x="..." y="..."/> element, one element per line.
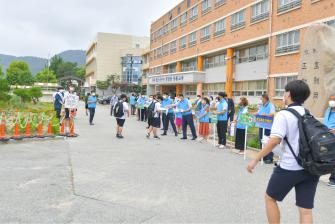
<point x="46" y="76"/>
<point x="1" y="73"/>
<point x="35" y="93"/>
<point x="4" y="89"/>
<point x="18" y="73"/>
<point x="23" y="94"/>
<point x="55" y="62"/>
<point x="103" y="85"/>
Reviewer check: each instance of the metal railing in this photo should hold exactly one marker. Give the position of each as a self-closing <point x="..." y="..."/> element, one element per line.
<point x="289" y="6"/>
<point x="287" y="49"/>
<point x="237" y="25"/>
<point x="260" y="17"/>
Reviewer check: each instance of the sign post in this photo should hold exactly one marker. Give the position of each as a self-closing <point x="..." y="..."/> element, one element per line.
<point x="249" y="121"/>
<point x="264" y="122"/>
<point x="214" y="121"/>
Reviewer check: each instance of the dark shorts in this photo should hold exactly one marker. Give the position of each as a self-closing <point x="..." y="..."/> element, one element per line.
<point x="86" y="106"/>
<point x="67" y="113"/>
<point x="156" y="122"/>
<point x="283" y="181"/>
<point x="58" y="112"/>
<point x="120" y="122"/>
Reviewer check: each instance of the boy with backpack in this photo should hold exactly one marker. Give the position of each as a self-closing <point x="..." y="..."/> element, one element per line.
<point x="121" y="109"/>
<point x="303" y="160"/>
<point x="154" y="112"/>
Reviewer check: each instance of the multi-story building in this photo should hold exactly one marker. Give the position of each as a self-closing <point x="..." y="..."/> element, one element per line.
<point x="145" y="70"/>
<point x="243" y="47"/>
<point x="115" y="54"/>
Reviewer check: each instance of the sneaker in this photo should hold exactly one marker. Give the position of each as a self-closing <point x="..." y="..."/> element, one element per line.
<point x="156" y="137"/>
<point x="176" y="134"/>
<point x="268" y="162"/>
<point x="331" y="184"/>
<point x="222" y="147"/>
<point x="241" y="152"/>
<point x="147" y="135"/>
<point x="163" y="134"/>
<point x="183" y="138"/>
<point x="120" y="136"/>
<point x="194" y="138"/>
<point x="91" y="123"/>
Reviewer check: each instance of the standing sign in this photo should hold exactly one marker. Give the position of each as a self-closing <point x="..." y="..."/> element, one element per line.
<point x="264" y="122"/>
<point x="247" y="119"/>
<point x="71" y="101"/>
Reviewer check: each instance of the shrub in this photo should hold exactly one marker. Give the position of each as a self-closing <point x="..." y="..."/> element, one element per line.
<point x="35" y="93"/>
<point x="24" y="94"/>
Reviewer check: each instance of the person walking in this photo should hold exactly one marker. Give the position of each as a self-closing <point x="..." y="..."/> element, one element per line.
<point x="222" y="117"/>
<point x="179" y="116"/>
<point x="329" y="121"/>
<point x="132" y="101"/>
<point x="121" y="110"/>
<point x="140" y="107"/>
<point x="185" y="107"/>
<point x="155" y="122"/>
<point x="58" y="103"/>
<point x="288" y="174"/>
<point x="269" y="110"/>
<point x="204" y="114"/>
<point x="240" y="128"/>
<point x="92" y="104"/>
<point x="168" y="116"/>
<point x="86" y="104"/>
<point x="113" y="101"/>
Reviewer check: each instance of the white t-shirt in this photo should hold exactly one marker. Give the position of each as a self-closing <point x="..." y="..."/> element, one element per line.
<point x="158" y="108"/>
<point x="125" y="108"/>
<point x="286" y="125"/>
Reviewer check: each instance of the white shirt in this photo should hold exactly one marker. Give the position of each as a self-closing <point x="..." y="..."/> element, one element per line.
<point x="286" y="125"/>
<point x="158" y="108"/>
<point x="125" y="108"/>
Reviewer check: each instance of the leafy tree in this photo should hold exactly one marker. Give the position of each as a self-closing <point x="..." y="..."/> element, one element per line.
<point x="66" y="69"/>
<point x="35" y="93"/>
<point x="1" y="73"/>
<point x="103" y="85"/>
<point x="81" y="72"/>
<point x="18" y="73"/>
<point x="46" y="76"/>
<point x="24" y="94"/>
<point x="55" y="62"/>
<point x="4" y="89"/>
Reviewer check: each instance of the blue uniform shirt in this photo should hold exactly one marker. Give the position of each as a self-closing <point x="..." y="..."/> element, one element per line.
<point x="329" y="118"/>
<point x="223" y="105"/>
<point x="184" y="105"/>
<point x="141" y="101"/>
<point x="202" y="111"/>
<point x="58" y="100"/>
<point x="167" y="102"/>
<point x="92" y="99"/>
<point x="268" y="108"/>
<point x="242" y="110"/>
<point x="132" y="100"/>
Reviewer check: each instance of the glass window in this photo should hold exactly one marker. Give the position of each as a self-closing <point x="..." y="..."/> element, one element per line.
<point x="280" y="83"/>
<point x="220" y="26"/>
<point x="238" y="19"/>
<point x="194" y="13"/>
<point x="288" y="42"/>
<point x="183" y="19"/>
<point x="285" y="5"/>
<point x="205" y="33"/>
<point x="192" y="38"/>
<point x="259" y="9"/>
<point x="206" y="6"/>
<point x="182" y="42"/>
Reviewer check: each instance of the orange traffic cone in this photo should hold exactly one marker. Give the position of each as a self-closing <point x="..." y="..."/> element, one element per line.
<point x="62" y="129"/>
<point x="40" y="129"/>
<point x="16" y="134"/>
<point x="72" y="133"/>
<point x="50" y="134"/>
<point x="3" y="128"/>
<point x="28" y="134"/>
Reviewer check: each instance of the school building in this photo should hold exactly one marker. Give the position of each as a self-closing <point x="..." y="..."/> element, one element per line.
<point x="242" y="47"/>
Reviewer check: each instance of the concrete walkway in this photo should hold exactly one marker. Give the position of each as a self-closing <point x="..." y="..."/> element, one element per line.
<point x="97" y="178"/>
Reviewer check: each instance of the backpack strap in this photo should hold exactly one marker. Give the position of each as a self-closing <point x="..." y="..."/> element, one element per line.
<point x="291" y="149"/>
<point x="295" y="113"/>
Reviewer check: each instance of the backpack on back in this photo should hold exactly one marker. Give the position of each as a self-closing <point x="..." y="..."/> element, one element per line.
<point x="118" y="109"/>
<point x="151" y="110"/>
<point x="316" y="145"/>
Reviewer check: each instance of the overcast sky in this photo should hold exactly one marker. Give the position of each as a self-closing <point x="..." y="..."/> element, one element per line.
<point x="40" y="27"/>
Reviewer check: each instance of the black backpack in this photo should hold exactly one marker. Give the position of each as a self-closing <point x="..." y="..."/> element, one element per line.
<point x="316" y="145"/>
<point x="151" y="110"/>
<point x="118" y="109"/>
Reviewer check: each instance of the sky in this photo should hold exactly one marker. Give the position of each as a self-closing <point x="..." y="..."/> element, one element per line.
<point x="43" y="27"/>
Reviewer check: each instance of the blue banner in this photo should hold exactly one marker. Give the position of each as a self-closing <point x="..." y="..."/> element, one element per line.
<point x="264" y="122"/>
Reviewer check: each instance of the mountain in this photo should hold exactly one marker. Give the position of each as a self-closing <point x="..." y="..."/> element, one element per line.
<point x="37" y="64"/>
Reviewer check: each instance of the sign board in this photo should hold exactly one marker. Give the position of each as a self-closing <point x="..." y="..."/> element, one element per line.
<point x="263" y="122"/>
<point x="141" y="107"/>
<point x="317" y="66"/>
<point x="248" y="120"/>
<point x="214" y="119"/>
<point x="71" y="101"/>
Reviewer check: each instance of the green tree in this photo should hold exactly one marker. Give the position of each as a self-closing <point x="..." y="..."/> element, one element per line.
<point x="35" y="93"/>
<point x="18" y="73"/>
<point x="24" y="94"/>
<point x="1" y="73"/>
<point x="66" y="69"/>
<point x="103" y="85"/>
<point x="81" y="72"/>
<point x="55" y="62"/>
<point x="4" y="89"/>
<point x="46" y="76"/>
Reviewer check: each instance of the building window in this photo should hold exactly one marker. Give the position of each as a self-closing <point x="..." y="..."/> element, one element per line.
<point x="238" y="20"/>
<point x="260" y="11"/>
<point x="183" y="19"/>
<point x="188" y="66"/>
<point x="174" y="25"/>
<point x="173" y="47"/>
<point x="182" y="43"/>
<point x="194" y="13"/>
<point x="192" y="39"/>
<point x="205" y="33"/>
<point x="215" y="61"/>
<point x="220" y="27"/>
<point x="131" y="69"/>
<point x="205" y="6"/>
<point x="252" y="54"/>
<point x="249" y="88"/>
<point x="191" y="90"/>
<point x="213" y="89"/>
<point x="219" y="2"/>
<point x="172" y="68"/>
<point x="166" y="49"/>
<point x="281" y="82"/>
<point x="331" y="23"/>
<point x="288" y="42"/>
<point x="286" y="5"/>
<point x="159" y="52"/>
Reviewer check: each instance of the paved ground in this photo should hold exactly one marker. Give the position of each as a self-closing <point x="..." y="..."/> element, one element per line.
<point x="98" y="179"/>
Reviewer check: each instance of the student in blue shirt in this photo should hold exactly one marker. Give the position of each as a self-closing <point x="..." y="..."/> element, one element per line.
<point x="266" y="109"/>
<point x="140" y="104"/>
<point x="222" y="116"/>
<point x="168" y="114"/>
<point x="204" y="119"/>
<point x="185" y="107"/>
<point x="59" y="101"/>
<point x="329" y="121"/>
<point x="92" y="104"/>
<point x="132" y="101"/>
<point x="240" y="128"/>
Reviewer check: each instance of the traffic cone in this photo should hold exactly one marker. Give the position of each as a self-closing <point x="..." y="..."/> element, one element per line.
<point x="40" y="129"/>
<point x="28" y="134"/>
<point x="50" y="134"/>
<point x="72" y="134"/>
<point x="62" y="129"/>
<point x="16" y="135"/>
<point x="3" y="128"/>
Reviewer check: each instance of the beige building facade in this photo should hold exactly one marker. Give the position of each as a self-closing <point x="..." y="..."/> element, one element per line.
<point x="107" y="52"/>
